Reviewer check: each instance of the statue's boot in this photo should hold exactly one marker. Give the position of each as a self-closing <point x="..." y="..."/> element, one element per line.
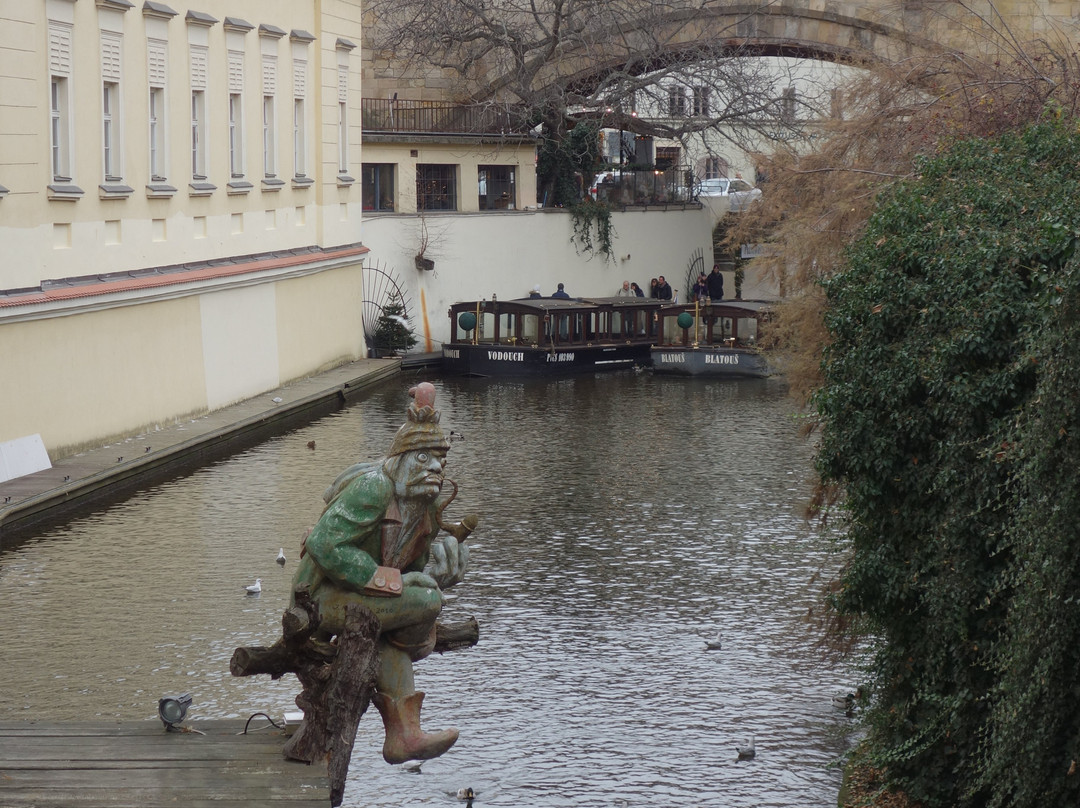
<point x="404" y="738"/>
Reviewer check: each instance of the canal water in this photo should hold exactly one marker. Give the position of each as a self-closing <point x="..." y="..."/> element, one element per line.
<point x="626" y="520"/>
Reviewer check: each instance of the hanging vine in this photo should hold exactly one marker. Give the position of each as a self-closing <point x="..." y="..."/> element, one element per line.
<point x="593" y="231"/>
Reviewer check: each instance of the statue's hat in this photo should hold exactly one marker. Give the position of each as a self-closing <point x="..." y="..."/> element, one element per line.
<point x="421" y="429"/>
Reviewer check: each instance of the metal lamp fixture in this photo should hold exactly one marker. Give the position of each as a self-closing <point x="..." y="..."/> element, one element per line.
<point x="172" y="710"/>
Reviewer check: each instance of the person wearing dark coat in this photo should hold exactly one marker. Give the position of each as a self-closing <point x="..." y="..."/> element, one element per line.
<point x="636" y="289"/>
<point x="663" y="289"/>
<point x="560" y="292"/>
<point x="715" y="282"/>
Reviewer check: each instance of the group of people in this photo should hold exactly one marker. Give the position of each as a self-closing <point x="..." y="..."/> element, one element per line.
<point x="707" y="287"/>
<point x="560" y="292"/>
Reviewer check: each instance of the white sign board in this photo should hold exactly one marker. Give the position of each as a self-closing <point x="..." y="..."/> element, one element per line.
<point x="22" y="456"/>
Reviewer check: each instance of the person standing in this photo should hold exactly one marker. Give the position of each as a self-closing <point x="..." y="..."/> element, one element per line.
<point x="663" y="289"/>
<point x="636" y="289"/>
<point x="652" y="287"/>
<point x="625" y="290"/>
<point x="560" y="293"/>
<point x="701" y="288"/>
<point x="715" y="283"/>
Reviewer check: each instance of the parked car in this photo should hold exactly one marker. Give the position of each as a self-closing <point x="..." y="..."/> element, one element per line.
<point x="739" y="192"/>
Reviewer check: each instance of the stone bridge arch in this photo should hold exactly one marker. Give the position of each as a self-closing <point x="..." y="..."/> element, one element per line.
<point x="833" y="30"/>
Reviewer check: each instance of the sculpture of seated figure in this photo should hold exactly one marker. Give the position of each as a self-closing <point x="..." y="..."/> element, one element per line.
<point x="377" y="543"/>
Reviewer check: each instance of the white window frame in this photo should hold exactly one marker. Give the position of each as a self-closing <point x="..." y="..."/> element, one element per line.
<point x="299" y="138"/>
<point x="269" y="137"/>
<point x="158" y="155"/>
<point x="60" y="128"/>
<point x="111" y="141"/>
<point x="157" y="110"/>
<point x="236" y="115"/>
<point x="236" y="135"/>
<point x="198" y="135"/>
<point x="112" y="112"/>
<point x="343" y="119"/>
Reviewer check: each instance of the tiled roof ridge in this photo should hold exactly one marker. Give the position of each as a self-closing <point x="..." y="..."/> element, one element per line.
<point x="173" y="274"/>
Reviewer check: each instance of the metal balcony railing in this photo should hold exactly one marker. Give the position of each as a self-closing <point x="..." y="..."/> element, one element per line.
<point x="440" y="117"/>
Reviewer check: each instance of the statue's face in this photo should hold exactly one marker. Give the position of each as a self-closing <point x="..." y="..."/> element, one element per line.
<point x="421" y="474"/>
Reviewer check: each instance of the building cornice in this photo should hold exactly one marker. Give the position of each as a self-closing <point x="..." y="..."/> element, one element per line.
<point x="80" y="295"/>
<point x="151" y="9"/>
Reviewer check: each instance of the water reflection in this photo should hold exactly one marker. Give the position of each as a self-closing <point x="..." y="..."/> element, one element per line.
<point x="626" y="519"/>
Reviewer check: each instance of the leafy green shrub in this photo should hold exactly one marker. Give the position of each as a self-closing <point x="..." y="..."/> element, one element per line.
<point x="948" y="410"/>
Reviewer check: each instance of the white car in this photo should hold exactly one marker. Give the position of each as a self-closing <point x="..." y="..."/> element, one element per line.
<point x="739" y="192"/>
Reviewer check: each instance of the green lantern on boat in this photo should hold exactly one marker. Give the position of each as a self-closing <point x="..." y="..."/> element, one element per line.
<point x="686" y="319"/>
<point x="467" y="320"/>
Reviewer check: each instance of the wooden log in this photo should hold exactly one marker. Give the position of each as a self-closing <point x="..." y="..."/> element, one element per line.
<point x="451" y="636"/>
<point x="350" y="689"/>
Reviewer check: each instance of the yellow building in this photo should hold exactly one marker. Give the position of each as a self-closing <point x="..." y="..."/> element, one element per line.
<point x="180" y="208"/>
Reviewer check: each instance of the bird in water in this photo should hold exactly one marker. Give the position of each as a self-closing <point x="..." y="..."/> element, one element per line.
<point x="255" y="588"/>
<point x="714" y="645"/>
<point x="466" y="794"/>
<point x="748" y="751"/>
<point x="281" y="556"/>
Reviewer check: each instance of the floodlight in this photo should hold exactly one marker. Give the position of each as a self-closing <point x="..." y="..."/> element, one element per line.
<point x="172" y="710"/>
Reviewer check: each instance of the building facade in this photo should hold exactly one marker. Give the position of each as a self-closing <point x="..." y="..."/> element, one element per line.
<point x="180" y="207"/>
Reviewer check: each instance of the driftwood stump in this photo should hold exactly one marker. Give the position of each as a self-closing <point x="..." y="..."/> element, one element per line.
<point x="338" y="678"/>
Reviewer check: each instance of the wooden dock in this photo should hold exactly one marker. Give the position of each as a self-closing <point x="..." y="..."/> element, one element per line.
<point x="138" y="764"/>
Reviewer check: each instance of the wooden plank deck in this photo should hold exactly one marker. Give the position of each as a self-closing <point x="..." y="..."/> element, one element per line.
<point x="95" y="764"/>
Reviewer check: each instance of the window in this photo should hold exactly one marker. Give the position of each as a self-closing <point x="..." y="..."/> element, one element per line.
<point x="343" y="122"/>
<point x="156" y="62"/>
<point x="436" y="187"/>
<point x="236" y="134"/>
<point x="497" y="189"/>
<point x="676" y="101"/>
<point x="198" y="134"/>
<point x="701" y="101"/>
<point x="269" y="163"/>
<point x="299" y="138"/>
<point x="377" y="186"/>
<point x="787" y="104"/>
<point x="112" y="147"/>
<point x="715" y="167"/>
<point x="60" y="130"/>
<point x="343" y="140"/>
<point x="157" y="134"/>
<point x="110" y="118"/>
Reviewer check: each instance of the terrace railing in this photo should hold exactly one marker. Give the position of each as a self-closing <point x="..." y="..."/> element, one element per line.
<point x="440" y="117"/>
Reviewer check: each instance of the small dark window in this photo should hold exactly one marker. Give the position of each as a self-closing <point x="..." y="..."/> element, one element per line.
<point x="497" y="188"/>
<point x="436" y="187"/>
<point x="377" y="182"/>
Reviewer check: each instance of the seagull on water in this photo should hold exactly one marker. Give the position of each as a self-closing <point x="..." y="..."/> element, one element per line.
<point x="748" y="751"/>
<point x="255" y="588"/>
<point x="281" y="556"/>
<point x="715" y="645"/>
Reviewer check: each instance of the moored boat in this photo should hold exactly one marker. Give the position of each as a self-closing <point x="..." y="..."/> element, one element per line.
<point x="549" y="336"/>
<point x="712" y="339"/>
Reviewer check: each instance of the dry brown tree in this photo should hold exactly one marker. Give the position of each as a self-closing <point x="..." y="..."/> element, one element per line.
<point x="615" y="63"/>
<point x="817" y="201"/>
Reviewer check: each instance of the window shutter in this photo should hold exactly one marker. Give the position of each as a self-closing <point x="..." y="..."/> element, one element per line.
<point x="343" y="85"/>
<point x="299" y="79"/>
<point x="236" y="72"/>
<point x="59" y="49"/>
<point x="110" y="58"/>
<point x="198" y="68"/>
<point x="155" y="63"/>
<point x="269" y="75"/>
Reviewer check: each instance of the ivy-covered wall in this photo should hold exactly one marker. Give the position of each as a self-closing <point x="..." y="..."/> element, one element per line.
<point x="950" y="422"/>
